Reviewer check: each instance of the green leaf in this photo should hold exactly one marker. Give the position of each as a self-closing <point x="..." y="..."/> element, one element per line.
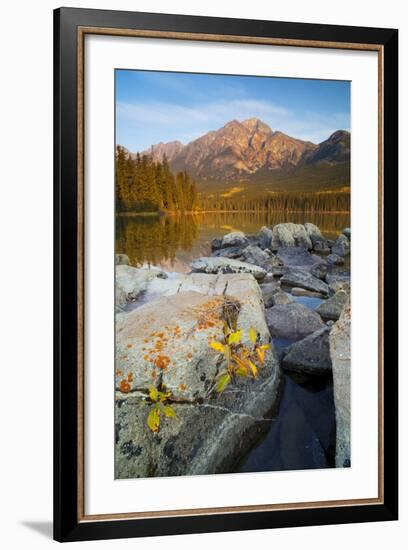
<point x="223" y="382"/>
<point x="153" y="393"/>
<point x="235" y="337"/>
<point x="153" y="420"/>
<point x="169" y="411"/>
<point x="253" y="335"/>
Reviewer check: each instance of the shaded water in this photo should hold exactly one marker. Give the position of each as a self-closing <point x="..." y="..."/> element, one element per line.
<point x="172" y="241"/>
<point x="303" y="433"/>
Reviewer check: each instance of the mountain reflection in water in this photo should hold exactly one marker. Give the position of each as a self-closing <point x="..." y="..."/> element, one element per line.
<point x="172" y="241"/>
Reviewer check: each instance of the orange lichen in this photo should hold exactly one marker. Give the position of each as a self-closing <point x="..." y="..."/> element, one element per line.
<point x="182" y="387"/>
<point x="124" y="386"/>
<point x="130" y="377"/>
<point x="162" y="362"/>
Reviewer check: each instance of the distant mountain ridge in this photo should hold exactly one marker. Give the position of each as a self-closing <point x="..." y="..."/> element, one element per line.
<point x="240" y="150"/>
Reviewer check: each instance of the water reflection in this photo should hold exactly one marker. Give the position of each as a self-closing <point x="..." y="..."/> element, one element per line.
<point x="172" y="241"/>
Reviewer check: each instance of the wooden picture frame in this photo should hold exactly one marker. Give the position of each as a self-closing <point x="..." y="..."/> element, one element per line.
<point x="70" y="27"/>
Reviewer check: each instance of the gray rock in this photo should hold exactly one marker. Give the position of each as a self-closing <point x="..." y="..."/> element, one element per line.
<point x="254" y="255"/>
<point x="226" y="265"/>
<point x="340" y="356"/>
<point x="268" y="292"/>
<point x="342" y="246"/>
<point x="319" y="243"/>
<point x="297" y="291"/>
<point x="338" y="277"/>
<point x="235" y="238"/>
<point x="265" y="237"/>
<point x="319" y="270"/>
<point x="121" y="259"/>
<point x="335" y="259"/>
<point x="290" y="234"/>
<point x="302" y="279"/>
<point x="295" y="257"/>
<point x="130" y="282"/>
<point x="340" y="285"/>
<point x="216" y="243"/>
<point x="310" y="355"/>
<point x="330" y="309"/>
<point x="292" y="321"/>
<point x="234" y="252"/>
<point x="347" y="232"/>
<point x="281" y="298"/>
<point x="167" y="342"/>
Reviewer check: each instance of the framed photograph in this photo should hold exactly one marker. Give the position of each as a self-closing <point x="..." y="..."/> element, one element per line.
<point x="225" y="274"/>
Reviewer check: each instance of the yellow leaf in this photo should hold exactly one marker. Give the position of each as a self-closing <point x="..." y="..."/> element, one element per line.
<point x="169" y="411"/>
<point x="223" y="382"/>
<point x="153" y="420"/>
<point x="227" y="353"/>
<point x="253" y="335"/>
<point x="235" y="337"/>
<point x="253" y="368"/>
<point x="264" y="347"/>
<point x="153" y="393"/>
<point x="261" y="355"/>
<point x="241" y="371"/>
<point x="217" y="346"/>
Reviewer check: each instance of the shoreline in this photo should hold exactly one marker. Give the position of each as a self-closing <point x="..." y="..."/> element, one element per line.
<point x="198" y="213"/>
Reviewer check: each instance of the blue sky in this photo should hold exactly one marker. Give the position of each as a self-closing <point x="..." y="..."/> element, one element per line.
<point x="162" y="106"/>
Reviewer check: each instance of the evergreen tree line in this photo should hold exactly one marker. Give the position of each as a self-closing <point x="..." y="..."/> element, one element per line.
<point x="334" y="201"/>
<point x="146" y="186"/>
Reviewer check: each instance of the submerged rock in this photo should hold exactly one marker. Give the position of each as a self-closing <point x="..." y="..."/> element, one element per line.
<point x="302" y="279"/>
<point x="292" y="321"/>
<point x="330" y="309"/>
<point x="226" y="265"/>
<point x="340" y="356"/>
<point x="310" y="355"/>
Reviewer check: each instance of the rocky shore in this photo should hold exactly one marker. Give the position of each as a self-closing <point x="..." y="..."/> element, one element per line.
<point x="175" y="334"/>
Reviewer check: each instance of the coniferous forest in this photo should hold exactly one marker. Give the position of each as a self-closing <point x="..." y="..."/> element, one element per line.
<point x="146" y="186"/>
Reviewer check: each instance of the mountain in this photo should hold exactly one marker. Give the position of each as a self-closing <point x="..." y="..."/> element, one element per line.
<point x="170" y="149"/>
<point x="250" y="151"/>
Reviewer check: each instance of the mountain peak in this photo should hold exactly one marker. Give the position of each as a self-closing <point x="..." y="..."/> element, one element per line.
<point x="254" y="124"/>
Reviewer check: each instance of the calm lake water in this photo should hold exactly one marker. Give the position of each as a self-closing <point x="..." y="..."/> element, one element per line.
<point x="172" y="241"/>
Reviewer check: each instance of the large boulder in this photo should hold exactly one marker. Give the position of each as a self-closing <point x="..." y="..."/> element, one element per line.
<point x="302" y="279"/>
<point x="310" y="355"/>
<point x="226" y="265"/>
<point x="341" y="246"/>
<point x="347" y="232"/>
<point x="340" y="356"/>
<point x="166" y="342"/>
<point x="330" y="309"/>
<point x="294" y="321"/>
<point x="290" y="234"/>
<point x="130" y="282"/>
<point x="319" y="243"/>
<point x="335" y="259"/>
<point x="300" y="258"/>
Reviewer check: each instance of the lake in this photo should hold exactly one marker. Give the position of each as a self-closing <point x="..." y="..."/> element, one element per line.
<point x="172" y="241"/>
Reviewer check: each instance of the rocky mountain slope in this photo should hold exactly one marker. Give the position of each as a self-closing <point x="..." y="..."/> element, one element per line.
<point x="251" y="150"/>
